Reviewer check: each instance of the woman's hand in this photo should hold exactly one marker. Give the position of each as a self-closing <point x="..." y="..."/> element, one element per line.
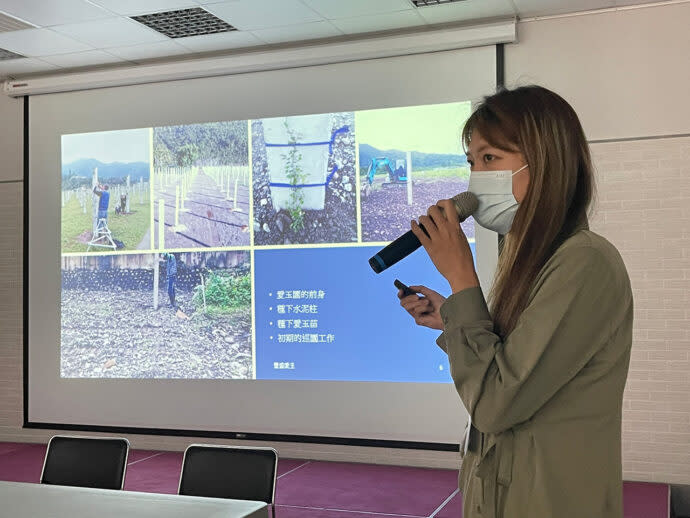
<point x="425" y="309"/>
<point x="447" y="245"/>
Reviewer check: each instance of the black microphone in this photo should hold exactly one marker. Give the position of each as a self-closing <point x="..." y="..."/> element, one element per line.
<point x="465" y="203"/>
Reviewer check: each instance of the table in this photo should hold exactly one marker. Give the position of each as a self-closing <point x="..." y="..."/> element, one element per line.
<point x="23" y="500"/>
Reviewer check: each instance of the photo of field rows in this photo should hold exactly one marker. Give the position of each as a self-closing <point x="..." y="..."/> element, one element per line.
<point x="201" y="186"/>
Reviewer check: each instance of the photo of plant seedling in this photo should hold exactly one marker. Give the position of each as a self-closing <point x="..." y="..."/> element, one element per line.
<point x="163" y="315"/>
<point x="409" y="159"/>
<point x="304" y="179"/>
<point x="201" y="185"/>
<point x="105" y="196"/>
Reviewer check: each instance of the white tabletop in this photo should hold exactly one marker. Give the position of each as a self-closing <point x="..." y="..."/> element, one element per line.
<point x="22" y="500"/>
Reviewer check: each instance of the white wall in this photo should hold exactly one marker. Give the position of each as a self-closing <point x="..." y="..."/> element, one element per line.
<point x="11" y="172"/>
<point x="11" y="151"/>
<point x="627" y="75"/>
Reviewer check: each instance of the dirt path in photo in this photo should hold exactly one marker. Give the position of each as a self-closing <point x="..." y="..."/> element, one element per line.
<point x="209" y="220"/>
<point x="145" y="243"/>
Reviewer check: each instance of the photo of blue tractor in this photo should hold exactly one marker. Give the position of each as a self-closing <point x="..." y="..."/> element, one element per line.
<point x="396" y="173"/>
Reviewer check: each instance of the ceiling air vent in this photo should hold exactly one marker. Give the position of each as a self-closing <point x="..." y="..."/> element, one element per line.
<point x="6" y="54"/>
<point x="429" y="3"/>
<point x="184" y="22"/>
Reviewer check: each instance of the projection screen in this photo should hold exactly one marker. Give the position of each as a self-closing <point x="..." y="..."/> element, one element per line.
<point x="197" y="250"/>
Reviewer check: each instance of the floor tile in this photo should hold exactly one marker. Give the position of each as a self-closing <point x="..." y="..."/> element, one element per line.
<point x="159" y="474"/>
<point x="366" y="487"/>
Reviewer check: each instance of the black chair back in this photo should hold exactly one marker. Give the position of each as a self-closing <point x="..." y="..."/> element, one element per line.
<point x="86" y="462"/>
<point x="238" y="472"/>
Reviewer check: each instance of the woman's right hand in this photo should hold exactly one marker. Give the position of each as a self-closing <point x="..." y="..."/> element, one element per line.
<point x="425" y="309"/>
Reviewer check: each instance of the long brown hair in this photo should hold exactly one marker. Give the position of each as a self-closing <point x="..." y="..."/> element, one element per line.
<point x="543" y="127"/>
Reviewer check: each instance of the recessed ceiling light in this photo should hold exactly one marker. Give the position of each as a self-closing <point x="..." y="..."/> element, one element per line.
<point x="429" y="3"/>
<point x="184" y="22"/>
<point x="6" y="54"/>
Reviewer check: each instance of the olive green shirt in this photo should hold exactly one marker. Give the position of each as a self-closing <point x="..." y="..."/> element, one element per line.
<point x="546" y="402"/>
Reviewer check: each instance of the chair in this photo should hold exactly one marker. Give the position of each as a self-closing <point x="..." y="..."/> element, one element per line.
<point x="98" y="462"/>
<point x="238" y="472"/>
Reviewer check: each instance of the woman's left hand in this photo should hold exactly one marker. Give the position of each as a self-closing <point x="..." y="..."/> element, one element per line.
<point x="447" y="245"/>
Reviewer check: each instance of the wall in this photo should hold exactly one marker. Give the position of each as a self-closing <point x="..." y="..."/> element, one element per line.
<point x="11" y="172"/>
<point x="627" y="74"/>
<point x="644" y="209"/>
<point x="627" y="78"/>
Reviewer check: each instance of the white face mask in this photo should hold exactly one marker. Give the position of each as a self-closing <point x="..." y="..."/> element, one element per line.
<point x="497" y="205"/>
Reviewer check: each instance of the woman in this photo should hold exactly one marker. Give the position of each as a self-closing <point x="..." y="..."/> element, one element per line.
<point x="542" y="372"/>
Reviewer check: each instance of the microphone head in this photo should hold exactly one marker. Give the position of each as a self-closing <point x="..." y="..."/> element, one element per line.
<point x="465" y="203"/>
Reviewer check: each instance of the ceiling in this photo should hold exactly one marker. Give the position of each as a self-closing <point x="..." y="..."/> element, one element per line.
<point x="59" y="35"/>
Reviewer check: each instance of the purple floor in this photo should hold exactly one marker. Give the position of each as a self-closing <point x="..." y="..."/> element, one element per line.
<point x="310" y="489"/>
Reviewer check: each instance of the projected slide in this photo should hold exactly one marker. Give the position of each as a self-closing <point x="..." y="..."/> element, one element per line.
<point x="238" y="250"/>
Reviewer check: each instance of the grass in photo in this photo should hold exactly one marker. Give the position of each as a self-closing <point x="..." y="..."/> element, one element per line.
<point x="105" y="196"/>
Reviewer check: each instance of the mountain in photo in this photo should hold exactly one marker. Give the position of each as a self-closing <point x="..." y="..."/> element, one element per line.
<point x="420" y="161"/>
<point x="84" y="167"/>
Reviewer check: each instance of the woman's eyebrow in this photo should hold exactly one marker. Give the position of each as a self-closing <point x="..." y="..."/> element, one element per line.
<point x="482" y="148"/>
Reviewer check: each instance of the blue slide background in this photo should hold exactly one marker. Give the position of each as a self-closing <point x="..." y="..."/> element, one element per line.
<point x="375" y="339"/>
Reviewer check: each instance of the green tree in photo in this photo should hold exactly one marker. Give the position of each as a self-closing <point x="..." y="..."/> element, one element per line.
<point x="296" y="176"/>
<point x="187" y="155"/>
<point x="223" y="293"/>
<point x="215" y="142"/>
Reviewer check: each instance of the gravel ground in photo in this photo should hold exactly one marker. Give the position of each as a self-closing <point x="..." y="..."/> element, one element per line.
<point x="118" y="334"/>
<point x="386" y="214"/>
<point x="336" y="223"/>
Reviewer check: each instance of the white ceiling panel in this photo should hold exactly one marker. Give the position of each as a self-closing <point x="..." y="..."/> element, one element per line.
<point x="13" y="67"/>
<point x="113" y="32"/>
<point x="160" y="49"/>
<point x="331" y="9"/>
<point x="623" y="3"/>
<point x="305" y="31"/>
<point x="52" y="12"/>
<point x="82" y="59"/>
<point x="528" y="8"/>
<point x="134" y="7"/>
<point x="94" y="32"/>
<point x="9" y="23"/>
<point x="261" y="14"/>
<point x="380" y="22"/>
<point x="40" y="42"/>
<point x="221" y="41"/>
<point x="467" y="10"/>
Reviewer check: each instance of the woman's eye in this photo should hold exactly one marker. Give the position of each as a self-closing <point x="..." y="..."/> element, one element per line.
<point x="488" y="157"/>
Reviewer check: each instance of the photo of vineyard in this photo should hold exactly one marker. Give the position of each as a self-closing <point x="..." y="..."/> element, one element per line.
<point x="105" y="196"/>
<point x="135" y="316"/>
<point x="201" y="185"/>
